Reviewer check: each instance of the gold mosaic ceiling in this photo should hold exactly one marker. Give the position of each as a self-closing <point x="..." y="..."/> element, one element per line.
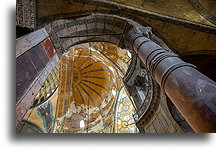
<point x="91" y="77"/>
<point x="89" y="86"/>
<point x="87" y="81"/>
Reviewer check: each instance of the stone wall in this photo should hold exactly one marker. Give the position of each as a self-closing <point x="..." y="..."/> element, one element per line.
<point x="162" y="121"/>
<point x="35" y="58"/>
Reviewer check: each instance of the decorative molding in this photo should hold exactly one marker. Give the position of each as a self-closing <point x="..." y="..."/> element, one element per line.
<point x="26" y="13"/>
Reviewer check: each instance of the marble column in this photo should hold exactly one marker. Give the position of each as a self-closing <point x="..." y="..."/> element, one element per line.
<point x="190" y="91"/>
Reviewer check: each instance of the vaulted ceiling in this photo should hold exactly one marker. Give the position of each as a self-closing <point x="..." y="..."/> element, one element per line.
<point x="186" y="25"/>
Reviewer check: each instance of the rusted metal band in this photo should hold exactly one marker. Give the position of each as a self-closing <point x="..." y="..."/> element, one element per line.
<point x="171" y="69"/>
<point x="160" y="58"/>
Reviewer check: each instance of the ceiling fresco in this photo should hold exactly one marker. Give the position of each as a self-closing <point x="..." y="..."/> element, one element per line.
<point x="85" y="100"/>
<point x="121" y="58"/>
<point x="86" y="92"/>
<point x="42" y="115"/>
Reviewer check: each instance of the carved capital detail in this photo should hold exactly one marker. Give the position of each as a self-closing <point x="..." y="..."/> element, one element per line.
<point x="139" y="30"/>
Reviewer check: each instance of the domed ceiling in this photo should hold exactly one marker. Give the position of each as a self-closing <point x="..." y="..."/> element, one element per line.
<point x="88" y="76"/>
<point x="88" y="92"/>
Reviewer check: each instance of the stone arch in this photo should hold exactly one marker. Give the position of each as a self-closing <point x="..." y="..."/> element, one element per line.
<point x="93" y="28"/>
<point x="82" y="27"/>
<point x="168" y="28"/>
<point x="104" y="26"/>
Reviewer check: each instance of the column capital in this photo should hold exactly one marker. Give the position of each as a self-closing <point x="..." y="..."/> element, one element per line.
<point x="139" y="31"/>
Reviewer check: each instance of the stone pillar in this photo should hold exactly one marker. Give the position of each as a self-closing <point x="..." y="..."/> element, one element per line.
<point x="190" y="91"/>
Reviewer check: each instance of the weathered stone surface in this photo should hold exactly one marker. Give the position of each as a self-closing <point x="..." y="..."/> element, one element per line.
<point x="38" y="57"/>
<point x="163" y="121"/>
<point x="33" y="54"/>
<point x="26" y="14"/>
<point x="25" y="43"/>
<point x="20" y="112"/>
<point x="43" y="76"/>
<point x="48" y="47"/>
<point x="25" y="74"/>
<point x="26" y="101"/>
